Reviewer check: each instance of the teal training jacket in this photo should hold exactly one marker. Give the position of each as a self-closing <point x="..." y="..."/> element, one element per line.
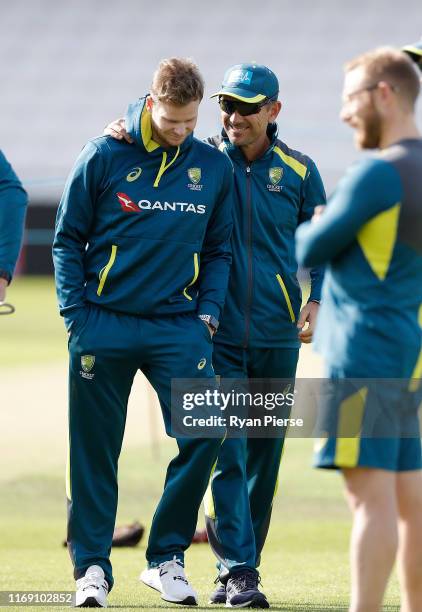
<point x="13" y="203"/>
<point x="273" y="195"/>
<point x="370" y="319"/>
<point x="145" y="230"/>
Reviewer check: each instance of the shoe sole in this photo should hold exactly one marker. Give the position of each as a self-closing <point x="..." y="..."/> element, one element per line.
<point x="188" y="601"/>
<point x="90" y="602"/>
<point x="217" y="601"/>
<point x="256" y="602"/>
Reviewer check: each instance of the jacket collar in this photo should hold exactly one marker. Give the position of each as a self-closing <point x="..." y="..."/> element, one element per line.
<point x="139" y="127"/>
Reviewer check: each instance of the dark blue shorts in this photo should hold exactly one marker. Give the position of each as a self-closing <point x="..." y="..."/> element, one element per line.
<point x="369" y="423"/>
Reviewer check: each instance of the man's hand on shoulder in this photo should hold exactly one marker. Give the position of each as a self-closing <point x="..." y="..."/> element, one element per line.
<point x="308" y="314"/>
<point x="117" y="129"/>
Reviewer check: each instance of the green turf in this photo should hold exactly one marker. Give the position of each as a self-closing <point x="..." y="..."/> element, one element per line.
<point x="305" y="565"/>
<point x="35" y="333"/>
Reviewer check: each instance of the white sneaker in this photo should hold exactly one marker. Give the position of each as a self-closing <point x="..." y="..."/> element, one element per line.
<point x="169" y="579"/>
<point x="92" y="589"/>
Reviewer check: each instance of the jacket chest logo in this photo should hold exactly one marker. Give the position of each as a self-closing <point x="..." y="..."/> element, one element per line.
<point x="275" y="175"/>
<point x="129" y="206"/>
<point x="195" y="175"/>
<point x="133" y="175"/>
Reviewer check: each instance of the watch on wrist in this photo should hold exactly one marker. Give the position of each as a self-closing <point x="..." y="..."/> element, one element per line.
<point x="210" y="320"/>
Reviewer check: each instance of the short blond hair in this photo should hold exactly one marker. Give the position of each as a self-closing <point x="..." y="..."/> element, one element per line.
<point x="392" y="66"/>
<point x="177" y="80"/>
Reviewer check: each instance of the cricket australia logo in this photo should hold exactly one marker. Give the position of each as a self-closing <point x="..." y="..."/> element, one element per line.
<point x="195" y="175"/>
<point x="275" y="175"/>
<point x="87" y="363"/>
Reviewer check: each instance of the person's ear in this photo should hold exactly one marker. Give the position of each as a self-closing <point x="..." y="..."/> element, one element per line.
<point x="274" y="110"/>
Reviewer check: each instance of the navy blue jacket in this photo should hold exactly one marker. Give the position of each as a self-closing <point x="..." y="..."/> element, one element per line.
<point x="13" y="203"/>
<point x="273" y="195"/>
<point x="145" y="230"/>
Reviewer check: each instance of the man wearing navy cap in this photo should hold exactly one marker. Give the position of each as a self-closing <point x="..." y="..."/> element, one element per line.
<point x="262" y="326"/>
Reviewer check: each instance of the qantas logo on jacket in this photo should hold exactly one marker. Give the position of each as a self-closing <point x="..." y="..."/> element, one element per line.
<point x="129" y="206"/>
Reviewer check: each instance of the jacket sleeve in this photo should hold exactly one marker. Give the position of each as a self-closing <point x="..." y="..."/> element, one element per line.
<point x="367" y="189"/>
<point x="216" y="250"/>
<point x="313" y="195"/>
<point x="74" y="219"/>
<point x="13" y="203"/>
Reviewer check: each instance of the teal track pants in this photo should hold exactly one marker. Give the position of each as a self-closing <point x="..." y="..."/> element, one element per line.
<point x="106" y="349"/>
<point x="240" y="496"/>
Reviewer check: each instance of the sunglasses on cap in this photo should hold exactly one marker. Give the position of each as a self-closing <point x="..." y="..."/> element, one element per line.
<point x="243" y="108"/>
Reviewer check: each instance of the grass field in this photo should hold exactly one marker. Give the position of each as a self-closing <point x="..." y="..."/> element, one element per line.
<point x="305" y="565"/>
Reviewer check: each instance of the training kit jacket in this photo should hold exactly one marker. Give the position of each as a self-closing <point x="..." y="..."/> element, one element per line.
<point x="273" y="195"/>
<point x="13" y="202"/>
<point x="142" y="229"/>
<point x="370" y="321"/>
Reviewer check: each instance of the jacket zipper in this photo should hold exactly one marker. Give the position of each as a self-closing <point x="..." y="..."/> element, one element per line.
<point x="164" y="165"/>
<point x="249" y="248"/>
<point x="104" y="271"/>
<point x="286" y="297"/>
<point x="195" y="276"/>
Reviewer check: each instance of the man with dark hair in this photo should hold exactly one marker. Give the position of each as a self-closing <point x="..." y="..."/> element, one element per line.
<point x="142" y="258"/>
<point x="277" y="188"/>
<point x="415" y="52"/>
<point x="13" y="203"/>
<point x="370" y="327"/>
<point x="263" y="323"/>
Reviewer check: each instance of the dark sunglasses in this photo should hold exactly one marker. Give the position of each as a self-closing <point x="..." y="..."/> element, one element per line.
<point x="243" y="108"/>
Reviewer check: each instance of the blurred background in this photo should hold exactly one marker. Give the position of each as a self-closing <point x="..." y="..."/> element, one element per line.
<point x="68" y="68"/>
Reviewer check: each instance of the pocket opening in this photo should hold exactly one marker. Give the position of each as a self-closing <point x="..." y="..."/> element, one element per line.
<point x="103" y="273"/>
<point x="286" y="297"/>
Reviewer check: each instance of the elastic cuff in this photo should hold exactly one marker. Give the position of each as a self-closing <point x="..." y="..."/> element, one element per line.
<point x="153" y="563"/>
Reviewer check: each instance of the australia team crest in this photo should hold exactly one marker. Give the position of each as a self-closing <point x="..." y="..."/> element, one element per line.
<point x="275" y="175"/>
<point x="87" y="363"/>
<point x="195" y="175"/>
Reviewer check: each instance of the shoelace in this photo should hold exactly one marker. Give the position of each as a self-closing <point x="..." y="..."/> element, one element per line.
<point x="174" y="565"/>
<point x="245" y="580"/>
<point x="90" y="581"/>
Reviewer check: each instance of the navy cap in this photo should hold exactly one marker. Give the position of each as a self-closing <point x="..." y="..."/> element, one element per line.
<point x="249" y="83"/>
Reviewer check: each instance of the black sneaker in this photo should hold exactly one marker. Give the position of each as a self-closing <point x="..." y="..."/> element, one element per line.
<point x="242" y="590"/>
<point x="219" y="595"/>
